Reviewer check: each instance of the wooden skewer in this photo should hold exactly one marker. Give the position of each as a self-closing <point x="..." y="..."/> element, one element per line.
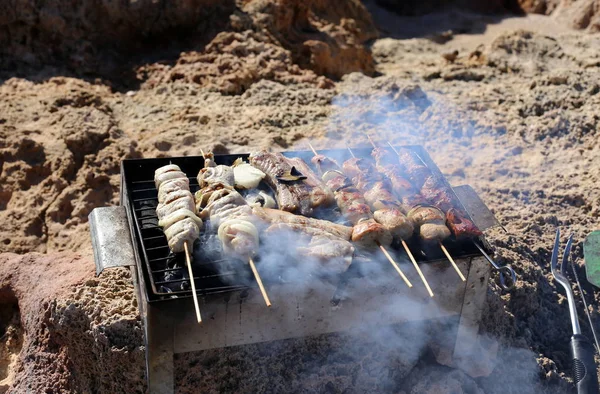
<point x="417" y="268"/>
<point x="352" y="153"/>
<point x="312" y="148"/>
<point x="452" y="261"/>
<point x="396" y="266"/>
<point x="259" y="281"/>
<point x="192" y="282"/>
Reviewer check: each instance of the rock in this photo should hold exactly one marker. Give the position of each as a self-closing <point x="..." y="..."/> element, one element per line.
<point x="57" y="316"/>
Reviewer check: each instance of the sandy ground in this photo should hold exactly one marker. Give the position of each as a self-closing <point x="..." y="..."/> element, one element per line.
<point x="514" y="114"/>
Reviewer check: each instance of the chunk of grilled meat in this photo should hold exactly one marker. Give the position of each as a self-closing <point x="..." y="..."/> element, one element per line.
<point x="376" y="189"/>
<point x="324" y="164"/>
<point x="297" y="196"/>
<point x="438" y="195"/>
<point x="333" y="252"/>
<point x="277" y="216"/>
<point x="377" y="192"/>
<point x="387" y="163"/>
<point x="172" y="185"/>
<point x="369" y="232"/>
<point x="460" y="225"/>
<point x="431" y="223"/>
<point x="176" y="210"/>
<point x="413" y="166"/>
<point x="320" y="191"/>
<point x="219" y="174"/>
<point x="348" y="199"/>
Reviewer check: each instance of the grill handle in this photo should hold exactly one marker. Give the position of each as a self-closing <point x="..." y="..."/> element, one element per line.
<point x="111" y="239"/>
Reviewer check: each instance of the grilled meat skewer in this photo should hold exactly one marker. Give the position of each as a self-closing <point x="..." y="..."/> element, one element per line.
<point x="176" y="209"/>
<point x="377" y="192"/>
<point x="294" y="194"/>
<point x="429" y="220"/>
<point x="351" y="203"/>
<point x="435" y="191"/>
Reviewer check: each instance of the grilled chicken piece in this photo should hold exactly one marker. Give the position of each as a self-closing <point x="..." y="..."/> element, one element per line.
<point x="202" y="196"/>
<point x="177" y="216"/>
<point x="277" y="216"/>
<point x="171" y="186"/>
<point x="163" y="210"/>
<point x="460" y="225"/>
<point x="221" y="201"/>
<point x="294" y="196"/>
<point x="166" y="176"/>
<point x="176" y="211"/>
<point x="185" y="230"/>
<point x="239" y="237"/>
<point x="216" y="175"/>
<point x="431" y="223"/>
<point x="163" y="170"/>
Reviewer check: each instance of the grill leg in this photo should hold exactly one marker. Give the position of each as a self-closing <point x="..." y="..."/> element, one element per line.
<point x="469" y="354"/>
<point x="159" y="349"/>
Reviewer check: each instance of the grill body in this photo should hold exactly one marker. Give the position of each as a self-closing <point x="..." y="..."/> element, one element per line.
<point x="235" y="314"/>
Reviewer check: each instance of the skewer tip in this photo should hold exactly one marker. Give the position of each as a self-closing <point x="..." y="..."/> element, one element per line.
<point x="312" y="148"/>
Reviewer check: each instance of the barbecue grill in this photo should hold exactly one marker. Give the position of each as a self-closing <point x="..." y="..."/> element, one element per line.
<point x="129" y="235"/>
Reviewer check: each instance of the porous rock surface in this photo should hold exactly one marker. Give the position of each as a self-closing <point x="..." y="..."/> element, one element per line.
<point x="513" y="112"/>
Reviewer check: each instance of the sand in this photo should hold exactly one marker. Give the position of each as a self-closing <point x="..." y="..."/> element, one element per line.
<point x="514" y="115"/>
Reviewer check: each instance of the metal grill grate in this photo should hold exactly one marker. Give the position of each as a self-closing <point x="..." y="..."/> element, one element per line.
<point x="167" y="273"/>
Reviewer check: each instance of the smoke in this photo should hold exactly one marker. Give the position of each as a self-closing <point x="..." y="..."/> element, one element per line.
<point x="392" y="345"/>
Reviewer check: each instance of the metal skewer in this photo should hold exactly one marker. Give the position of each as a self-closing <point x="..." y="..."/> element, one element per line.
<point x="380" y="246"/>
<point x="192" y="282"/>
<point x="259" y="281"/>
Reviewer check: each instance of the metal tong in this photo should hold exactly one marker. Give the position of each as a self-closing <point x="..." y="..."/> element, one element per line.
<point x="501" y="269"/>
<point x="582" y="350"/>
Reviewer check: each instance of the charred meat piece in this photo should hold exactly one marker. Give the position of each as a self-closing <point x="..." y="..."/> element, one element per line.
<point x="277" y="216"/>
<point x="460" y="225"/>
<point x="295" y="196"/>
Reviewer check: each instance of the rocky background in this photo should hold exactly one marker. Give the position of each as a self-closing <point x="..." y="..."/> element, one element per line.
<point x="503" y="94"/>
